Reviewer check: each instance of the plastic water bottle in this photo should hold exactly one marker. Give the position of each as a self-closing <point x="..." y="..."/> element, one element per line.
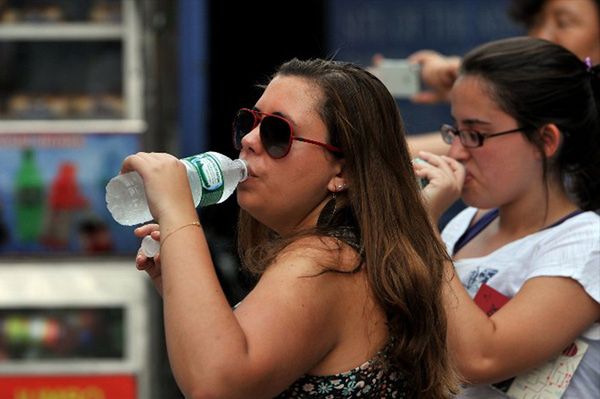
<point x="213" y="177"/>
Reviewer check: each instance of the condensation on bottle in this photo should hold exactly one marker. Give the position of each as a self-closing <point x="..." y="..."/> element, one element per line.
<point x="212" y="176"/>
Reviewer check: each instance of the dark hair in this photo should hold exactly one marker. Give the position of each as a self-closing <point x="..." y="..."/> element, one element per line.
<point x="538" y="83"/>
<point x="525" y="12"/>
<point x="402" y="258"/>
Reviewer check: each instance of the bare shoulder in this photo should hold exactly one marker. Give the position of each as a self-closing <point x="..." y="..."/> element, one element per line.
<point x="312" y="310"/>
<point x="317" y="255"/>
<point x="313" y="274"/>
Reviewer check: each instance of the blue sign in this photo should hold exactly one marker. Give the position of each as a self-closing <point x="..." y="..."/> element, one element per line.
<point x="358" y="29"/>
<point x="52" y="189"/>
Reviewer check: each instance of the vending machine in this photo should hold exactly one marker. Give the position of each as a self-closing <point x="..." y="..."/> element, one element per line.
<point x="75" y="314"/>
<point x="74" y="330"/>
<point x="71" y="109"/>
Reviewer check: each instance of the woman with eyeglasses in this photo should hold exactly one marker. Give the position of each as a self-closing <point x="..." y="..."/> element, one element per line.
<point x="574" y="24"/>
<point x="525" y="157"/>
<point x="349" y="298"/>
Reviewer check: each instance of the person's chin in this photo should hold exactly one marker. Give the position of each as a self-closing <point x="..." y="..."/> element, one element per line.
<point x="470" y="197"/>
<point x="248" y="200"/>
<point x="242" y="197"/>
<point x="476" y="201"/>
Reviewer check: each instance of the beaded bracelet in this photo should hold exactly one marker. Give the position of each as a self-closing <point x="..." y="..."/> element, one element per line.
<point x="163" y="240"/>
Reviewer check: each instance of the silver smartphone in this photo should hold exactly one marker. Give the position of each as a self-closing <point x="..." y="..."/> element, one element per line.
<point x="402" y="78"/>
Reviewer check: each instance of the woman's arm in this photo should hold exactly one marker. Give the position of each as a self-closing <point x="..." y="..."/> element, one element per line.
<point x="429" y="142"/>
<point x="546" y="315"/>
<point x="283" y="328"/>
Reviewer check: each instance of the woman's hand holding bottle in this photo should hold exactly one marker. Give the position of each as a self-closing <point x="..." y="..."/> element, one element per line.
<point x="165" y="184"/>
<point x="143" y="262"/>
<point x="446" y="177"/>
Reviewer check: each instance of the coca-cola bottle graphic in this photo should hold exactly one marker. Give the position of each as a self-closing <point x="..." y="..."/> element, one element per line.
<point x="65" y="201"/>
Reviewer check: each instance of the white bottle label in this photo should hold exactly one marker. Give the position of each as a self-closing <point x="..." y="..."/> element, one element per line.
<point x="211" y="177"/>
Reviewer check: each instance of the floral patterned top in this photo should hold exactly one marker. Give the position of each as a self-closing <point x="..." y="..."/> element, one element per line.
<point x="370" y="380"/>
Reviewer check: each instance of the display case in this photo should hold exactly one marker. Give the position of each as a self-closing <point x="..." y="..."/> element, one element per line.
<point x="70" y="66"/>
<point x="71" y="109"/>
<point x="75" y="315"/>
<point x="74" y="330"/>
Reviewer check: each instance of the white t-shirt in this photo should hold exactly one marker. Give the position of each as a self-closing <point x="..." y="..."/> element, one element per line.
<point x="570" y="249"/>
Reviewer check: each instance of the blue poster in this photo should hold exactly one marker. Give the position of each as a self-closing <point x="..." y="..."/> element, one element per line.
<point x="358" y="29"/>
<point x="52" y="189"/>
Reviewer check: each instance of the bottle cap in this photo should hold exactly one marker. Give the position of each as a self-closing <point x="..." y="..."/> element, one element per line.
<point x="150" y="246"/>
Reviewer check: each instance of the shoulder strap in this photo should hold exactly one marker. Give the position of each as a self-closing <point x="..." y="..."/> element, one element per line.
<point x="474" y="229"/>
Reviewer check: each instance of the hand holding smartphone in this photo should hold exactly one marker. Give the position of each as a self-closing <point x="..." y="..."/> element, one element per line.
<point x="402" y="78"/>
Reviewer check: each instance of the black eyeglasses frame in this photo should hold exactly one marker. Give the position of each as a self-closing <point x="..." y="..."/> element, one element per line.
<point x="449" y="132"/>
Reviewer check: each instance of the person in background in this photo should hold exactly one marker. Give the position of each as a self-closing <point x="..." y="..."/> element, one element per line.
<point x="574" y="24"/>
<point x="349" y="297"/>
<point x="525" y="156"/>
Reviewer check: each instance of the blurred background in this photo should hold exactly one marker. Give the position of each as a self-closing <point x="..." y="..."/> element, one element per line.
<point x="84" y="83"/>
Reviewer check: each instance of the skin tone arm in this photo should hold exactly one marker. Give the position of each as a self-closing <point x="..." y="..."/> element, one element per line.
<point x="274" y="336"/>
<point x="429" y="142"/>
<point x="438" y="72"/>
<point x="537" y="323"/>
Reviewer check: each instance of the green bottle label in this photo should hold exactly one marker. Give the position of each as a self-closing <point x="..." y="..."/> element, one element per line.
<point x="211" y="178"/>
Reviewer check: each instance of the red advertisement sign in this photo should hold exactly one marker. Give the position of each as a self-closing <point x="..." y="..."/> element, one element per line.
<point x="68" y="387"/>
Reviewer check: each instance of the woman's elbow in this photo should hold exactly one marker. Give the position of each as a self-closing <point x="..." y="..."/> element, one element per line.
<point x="474" y="371"/>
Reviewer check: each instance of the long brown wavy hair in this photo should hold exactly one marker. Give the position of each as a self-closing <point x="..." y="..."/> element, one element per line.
<point x="400" y="251"/>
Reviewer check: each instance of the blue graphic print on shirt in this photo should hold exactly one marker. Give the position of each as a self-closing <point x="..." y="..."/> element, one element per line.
<point x="477" y="278"/>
